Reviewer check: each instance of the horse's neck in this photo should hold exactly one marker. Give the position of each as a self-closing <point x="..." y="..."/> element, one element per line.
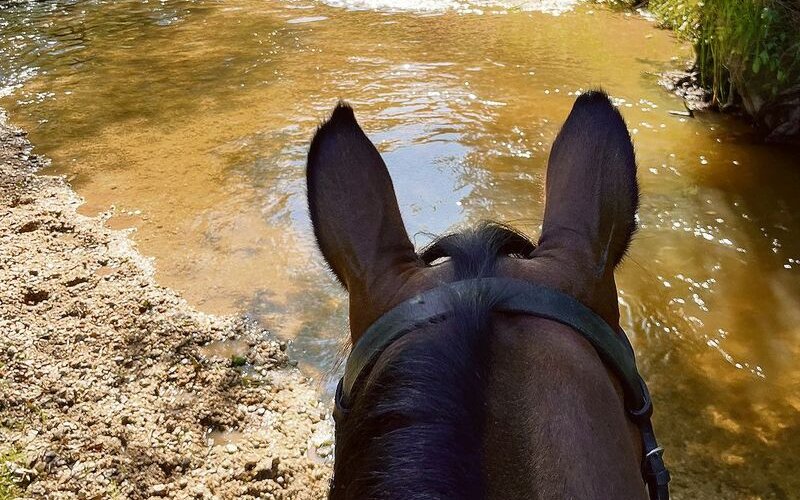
<point x="555" y="422"/>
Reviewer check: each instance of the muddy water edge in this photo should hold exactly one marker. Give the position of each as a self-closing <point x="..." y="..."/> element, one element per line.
<point x="190" y="119"/>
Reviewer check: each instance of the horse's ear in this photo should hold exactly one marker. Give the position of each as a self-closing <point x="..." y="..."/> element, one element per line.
<point x="591" y="190"/>
<point x="353" y="206"/>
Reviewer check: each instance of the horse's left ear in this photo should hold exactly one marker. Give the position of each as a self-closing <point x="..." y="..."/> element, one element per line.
<point x="353" y="206"/>
<point x="591" y="191"/>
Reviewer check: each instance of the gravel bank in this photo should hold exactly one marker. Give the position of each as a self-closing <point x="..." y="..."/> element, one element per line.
<point x="112" y="386"/>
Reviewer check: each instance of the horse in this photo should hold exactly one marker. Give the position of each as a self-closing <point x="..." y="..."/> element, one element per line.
<point x="487" y="366"/>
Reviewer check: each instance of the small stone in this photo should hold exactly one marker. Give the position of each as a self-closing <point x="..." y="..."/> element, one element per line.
<point x="159" y="490"/>
<point x="231" y="448"/>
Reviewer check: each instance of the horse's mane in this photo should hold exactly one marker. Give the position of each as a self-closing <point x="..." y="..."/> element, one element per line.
<point x="415" y="430"/>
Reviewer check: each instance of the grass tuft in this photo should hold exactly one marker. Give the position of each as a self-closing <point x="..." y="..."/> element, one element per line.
<point x="8" y="488"/>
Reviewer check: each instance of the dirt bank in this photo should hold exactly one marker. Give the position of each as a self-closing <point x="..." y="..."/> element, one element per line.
<point x="114" y="387"/>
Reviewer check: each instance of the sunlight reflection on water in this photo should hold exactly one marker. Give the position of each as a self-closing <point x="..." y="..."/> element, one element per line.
<point x="554" y="7"/>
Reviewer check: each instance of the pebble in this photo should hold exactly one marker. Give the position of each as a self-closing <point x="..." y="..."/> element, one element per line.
<point x="159" y="490"/>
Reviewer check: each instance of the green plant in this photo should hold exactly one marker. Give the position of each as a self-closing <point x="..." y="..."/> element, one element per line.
<point x="8" y="489"/>
<point x="743" y="47"/>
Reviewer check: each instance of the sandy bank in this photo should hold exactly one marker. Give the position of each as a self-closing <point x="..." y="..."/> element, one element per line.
<point x="114" y="387"/>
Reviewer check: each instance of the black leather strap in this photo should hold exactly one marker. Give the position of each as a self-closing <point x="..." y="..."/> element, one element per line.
<point x="515" y="297"/>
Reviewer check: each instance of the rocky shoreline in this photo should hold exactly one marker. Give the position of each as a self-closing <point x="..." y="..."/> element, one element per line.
<point x="686" y="85"/>
<point x="112" y="386"/>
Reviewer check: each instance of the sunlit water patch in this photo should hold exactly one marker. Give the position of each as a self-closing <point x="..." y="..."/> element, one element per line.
<point x="554" y="7"/>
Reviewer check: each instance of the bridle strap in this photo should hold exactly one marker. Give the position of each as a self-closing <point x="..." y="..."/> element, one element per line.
<point x="510" y="296"/>
<point x="515" y="296"/>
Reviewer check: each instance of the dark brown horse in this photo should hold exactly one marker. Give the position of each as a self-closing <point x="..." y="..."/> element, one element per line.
<point x="483" y="402"/>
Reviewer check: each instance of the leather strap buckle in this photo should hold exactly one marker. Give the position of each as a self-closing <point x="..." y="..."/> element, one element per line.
<point x="656" y="474"/>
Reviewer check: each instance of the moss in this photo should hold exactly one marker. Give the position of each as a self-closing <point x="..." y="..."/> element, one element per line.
<point x="237" y="361"/>
<point x="8" y="489"/>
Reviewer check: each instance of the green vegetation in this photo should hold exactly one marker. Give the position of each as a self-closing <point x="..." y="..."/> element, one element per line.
<point x="745" y="47"/>
<point x="8" y="490"/>
<point x="748" y="49"/>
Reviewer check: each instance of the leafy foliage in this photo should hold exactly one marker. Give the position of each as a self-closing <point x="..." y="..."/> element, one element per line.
<point x="742" y="46"/>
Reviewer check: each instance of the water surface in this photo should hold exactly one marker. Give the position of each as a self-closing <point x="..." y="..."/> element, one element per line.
<point x="191" y="119"/>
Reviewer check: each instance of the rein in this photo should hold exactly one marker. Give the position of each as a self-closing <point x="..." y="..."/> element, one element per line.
<point x="516" y="297"/>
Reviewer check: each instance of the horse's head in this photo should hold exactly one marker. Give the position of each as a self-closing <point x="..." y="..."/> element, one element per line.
<point x="591" y="201"/>
<point x="472" y="380"/>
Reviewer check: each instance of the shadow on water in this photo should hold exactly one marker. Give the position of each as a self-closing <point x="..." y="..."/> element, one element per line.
<point x="719" y="340"/>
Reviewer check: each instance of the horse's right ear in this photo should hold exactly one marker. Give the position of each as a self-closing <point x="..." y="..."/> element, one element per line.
<point x="353" y="206"/>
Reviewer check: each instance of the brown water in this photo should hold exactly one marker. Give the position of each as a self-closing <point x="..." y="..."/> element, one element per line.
<point x="192" y="120"/>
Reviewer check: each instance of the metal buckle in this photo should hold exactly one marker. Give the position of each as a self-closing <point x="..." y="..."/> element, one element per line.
<point x="656" y="474"/>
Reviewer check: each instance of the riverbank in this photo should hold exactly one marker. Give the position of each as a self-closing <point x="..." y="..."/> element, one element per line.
<point x="112" y="386"/>
<point x="747" y="57"/>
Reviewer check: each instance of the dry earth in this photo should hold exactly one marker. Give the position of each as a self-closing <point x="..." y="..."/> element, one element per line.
<point x="112" y="386"/>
